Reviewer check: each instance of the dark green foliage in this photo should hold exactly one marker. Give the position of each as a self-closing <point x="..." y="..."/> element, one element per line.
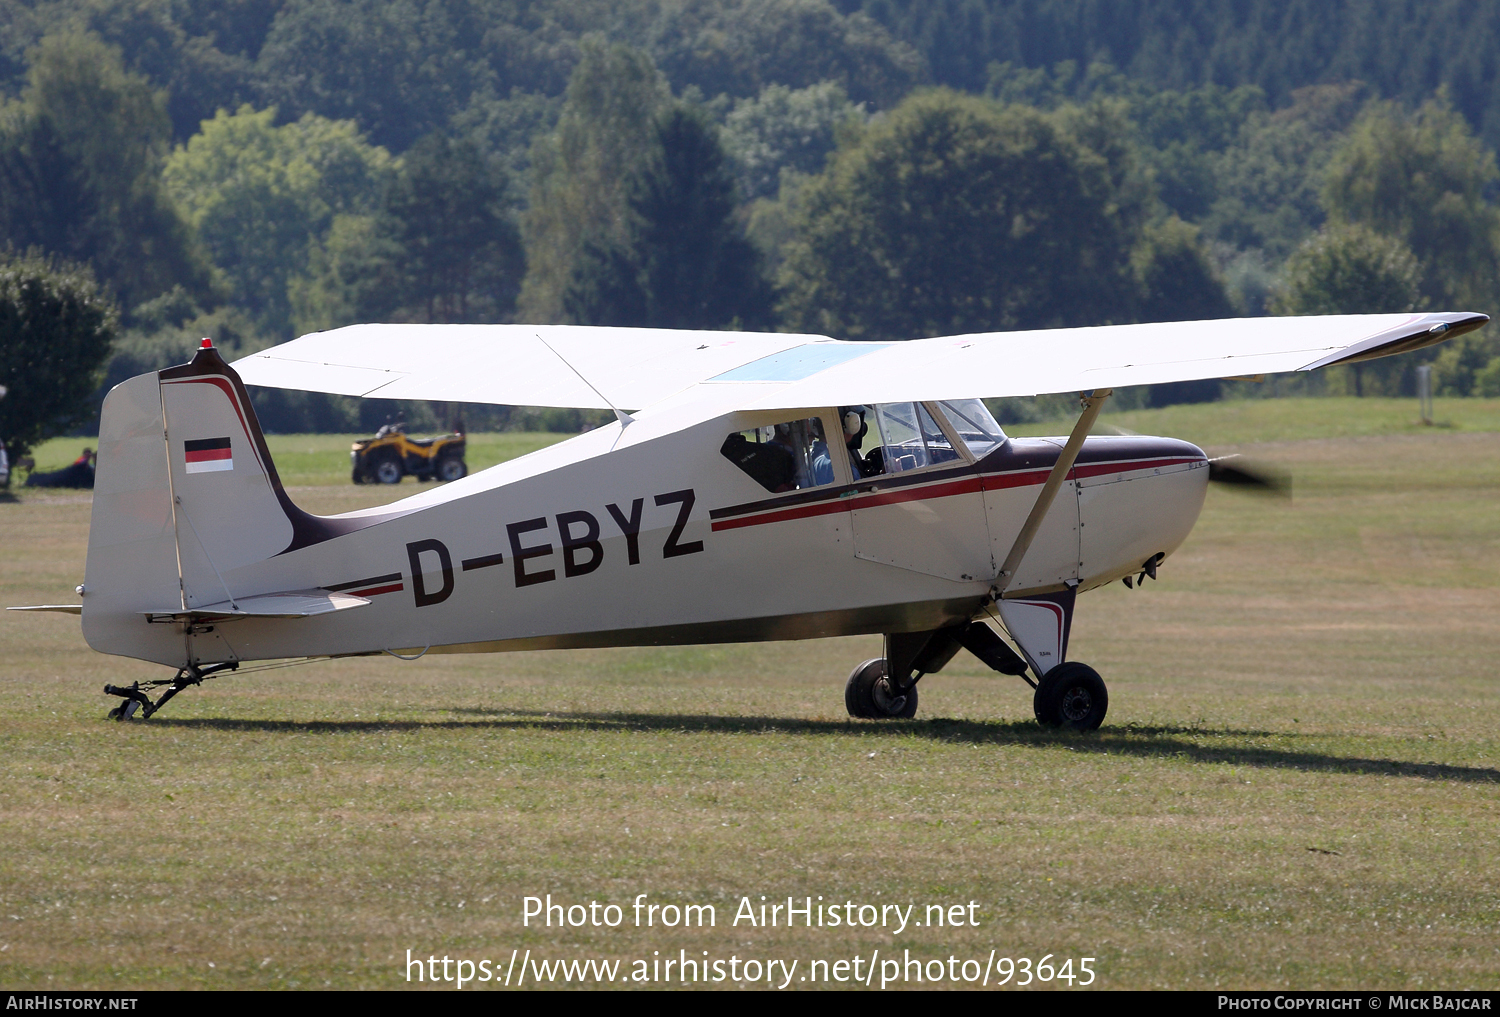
<point x="1177" y="281"/>
<point x="1404" y="48"/>
<point x="686" y="263"/>
<point x="458" y="254"/>
<point x="739" y="47"/>
<point x="583" y="171"/>
<point x="1270" y="181"/>
<point x="56" y="328"/>
<point x="957" y="215"/>
<point x="1184" y="134"/>
<point x="785" y="129"/>
<point x="442" y="247"/>
<point x="80" y="163"/>
<point x="197" y="75"/>
<point x="1424" y="178"/>
<point x="399" y="68"/>
<point x="1467" y="366"/>
<point x="44" y="201"/>
<point x="1350" y="270"/>
<point x="237" y="27"/>
<point x="503" y="130"/>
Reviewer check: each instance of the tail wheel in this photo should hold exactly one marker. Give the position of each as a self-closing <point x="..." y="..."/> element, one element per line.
<point x="388" y="471"/>
<point x="1071" y="695"/>
<point x="869" y="694"/>
<point x="451" y="468"/>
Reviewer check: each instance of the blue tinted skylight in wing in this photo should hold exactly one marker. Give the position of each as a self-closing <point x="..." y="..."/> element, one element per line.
<point x="799" y="362"/>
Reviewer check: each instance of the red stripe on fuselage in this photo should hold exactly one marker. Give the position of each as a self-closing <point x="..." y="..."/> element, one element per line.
<point x="377" y="590"/>
<point x="209" y="455"/>
<point x="947" y="489"/>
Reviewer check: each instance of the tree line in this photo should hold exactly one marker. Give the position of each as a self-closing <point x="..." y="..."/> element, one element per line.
<point x="255" y="170"/>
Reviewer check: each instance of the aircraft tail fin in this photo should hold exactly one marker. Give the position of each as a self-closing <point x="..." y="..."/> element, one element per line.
<point x="185" y="493"/>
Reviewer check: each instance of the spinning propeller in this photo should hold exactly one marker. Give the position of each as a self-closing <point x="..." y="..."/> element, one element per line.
<point x="1254" y="476"/>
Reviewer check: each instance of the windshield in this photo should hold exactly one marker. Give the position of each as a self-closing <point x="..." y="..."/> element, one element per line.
<point x="910" y="438"/>
<point x="974" y="424"/>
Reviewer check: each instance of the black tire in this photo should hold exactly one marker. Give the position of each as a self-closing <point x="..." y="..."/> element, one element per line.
<point x="868" y="694"/>
<point x="1072" y="696"/>
<point x="357" y="475"/>
<point x="451" y="468"/>
<point x="387" y="470"/>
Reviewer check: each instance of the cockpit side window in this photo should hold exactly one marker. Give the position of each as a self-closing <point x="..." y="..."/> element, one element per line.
<point x="975" y="425"/>
<point x="789" y="456"/>
<point x="911" y="439"/>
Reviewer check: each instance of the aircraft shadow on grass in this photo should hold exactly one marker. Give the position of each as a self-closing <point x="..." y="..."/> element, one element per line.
<point x="1153" y="741"/>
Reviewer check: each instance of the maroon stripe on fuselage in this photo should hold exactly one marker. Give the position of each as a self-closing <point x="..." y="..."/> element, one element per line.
<point x="1036" y="458"/>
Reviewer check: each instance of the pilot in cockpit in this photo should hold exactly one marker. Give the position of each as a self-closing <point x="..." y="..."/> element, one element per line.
<point x="855" y="429"/>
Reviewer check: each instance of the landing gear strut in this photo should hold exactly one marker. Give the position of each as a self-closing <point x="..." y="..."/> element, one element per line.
<point x="134" y="696"/>
<point x="1068" y="695"/>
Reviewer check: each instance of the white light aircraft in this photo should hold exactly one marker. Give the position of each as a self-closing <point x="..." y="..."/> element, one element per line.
<point x="762" y="486"/>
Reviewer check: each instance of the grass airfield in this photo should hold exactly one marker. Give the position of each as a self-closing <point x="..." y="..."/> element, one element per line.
<point x="1296" y="786"/>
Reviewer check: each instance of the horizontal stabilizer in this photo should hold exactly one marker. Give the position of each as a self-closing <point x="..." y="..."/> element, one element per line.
<point x="59" y="608"/>
<point x="291" y="604"/>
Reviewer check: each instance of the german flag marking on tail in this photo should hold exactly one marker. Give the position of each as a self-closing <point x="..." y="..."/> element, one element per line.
<point x="208" y="455"/>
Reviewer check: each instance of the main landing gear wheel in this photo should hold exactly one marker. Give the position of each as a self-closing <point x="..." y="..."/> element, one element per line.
<point x="869" y="694"/>
<point x="1073" y="696"/>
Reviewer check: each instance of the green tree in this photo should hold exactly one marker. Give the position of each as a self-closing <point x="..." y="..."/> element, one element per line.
<point x="1466" y="366"/>
<point x="687" y="263"/>
<point x="399" y="68"/>
<point x="582" y="172"/>
<point x="443" y="246"/>
<point x="56" y="327"/>
<point x="785" y="129"/>
<point x="1269" y="182"/>
<point x="739" y="47"/>
<point x="1178" y="282"/>
<point x="460" y="256"/>
<point x="1423" y="178"/>
<point x="955" y="214"/>
<point x="200" y="59"/>
<point x="1353" y="270"/>
<point x="261" y="196"/>
<point x="81" y="157"/>
<point x="1350" y="270"/>
<point x="350" y="276"/>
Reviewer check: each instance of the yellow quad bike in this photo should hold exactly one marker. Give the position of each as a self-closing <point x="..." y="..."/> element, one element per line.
<point x="392" y="454"/>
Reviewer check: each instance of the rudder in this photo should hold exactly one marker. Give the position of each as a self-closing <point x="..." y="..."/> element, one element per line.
<point x="185" y="494"/>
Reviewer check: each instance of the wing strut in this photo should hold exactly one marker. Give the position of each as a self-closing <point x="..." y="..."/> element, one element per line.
<point x="620" y="415"/>
<point x="1092" y="404"/>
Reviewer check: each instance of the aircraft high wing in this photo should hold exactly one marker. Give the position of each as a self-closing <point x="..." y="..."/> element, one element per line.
<point x="529" y="365"/>
<point x="766" y="486"/>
